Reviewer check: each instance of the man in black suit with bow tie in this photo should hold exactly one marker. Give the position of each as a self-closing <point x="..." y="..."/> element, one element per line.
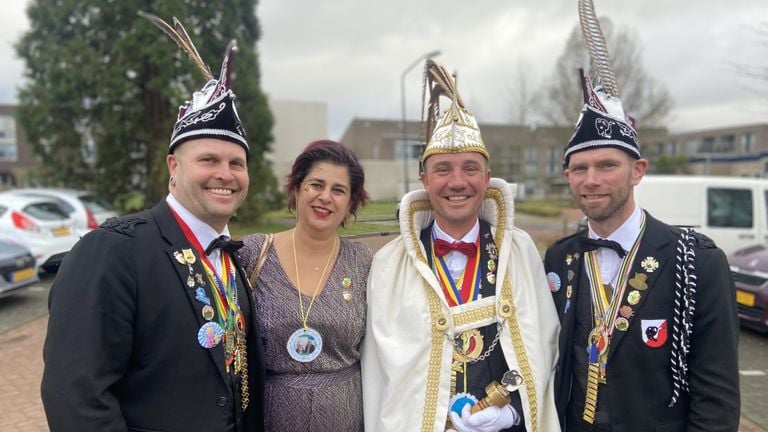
<point x="648" y="315"/>
<point x="150" y="315"/>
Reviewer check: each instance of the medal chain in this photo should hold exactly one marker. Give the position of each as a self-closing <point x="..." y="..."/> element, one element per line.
<point x="605" y="312"/>
<point x="488" y="350"/>
<point x="305" y="317"/>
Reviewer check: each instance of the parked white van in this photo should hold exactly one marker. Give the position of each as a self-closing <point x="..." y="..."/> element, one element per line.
<point x="730" y="210"/>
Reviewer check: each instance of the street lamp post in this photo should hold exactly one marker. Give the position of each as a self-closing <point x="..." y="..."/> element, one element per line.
<point x="406" y="147"/>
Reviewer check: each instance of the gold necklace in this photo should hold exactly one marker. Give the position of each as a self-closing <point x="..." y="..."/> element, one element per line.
<point x="305" y="317"/>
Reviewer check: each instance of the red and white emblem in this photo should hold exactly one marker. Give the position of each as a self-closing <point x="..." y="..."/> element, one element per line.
<point x="654" y="332"/>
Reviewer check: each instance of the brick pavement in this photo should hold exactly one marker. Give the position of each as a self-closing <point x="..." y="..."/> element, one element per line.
<point x="21" y="367"/>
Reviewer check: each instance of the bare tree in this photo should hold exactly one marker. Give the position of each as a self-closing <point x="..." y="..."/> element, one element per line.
<point x="524" y="97"/>
<point x="642" y="97"/>
<point x="757" y="74"/>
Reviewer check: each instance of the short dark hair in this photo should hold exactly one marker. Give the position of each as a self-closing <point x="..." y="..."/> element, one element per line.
<point x="337" y="154"/>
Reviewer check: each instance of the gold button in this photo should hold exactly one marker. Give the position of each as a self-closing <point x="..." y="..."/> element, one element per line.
<point x="506" y="309"/>
<point x="441" y="323"/>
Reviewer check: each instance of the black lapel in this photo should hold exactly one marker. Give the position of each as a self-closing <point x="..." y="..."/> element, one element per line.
<point x="567" y="281"/>
<point x="650" y="260"/>
<point x="488" y="254"/>
<point x="426" y="241"/>
<point x="190" y="275"/>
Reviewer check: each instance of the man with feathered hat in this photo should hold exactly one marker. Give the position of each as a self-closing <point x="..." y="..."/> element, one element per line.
<point x="461" y="333"/>
<point x="649" y="325"/>
<point x="150" y="315"/>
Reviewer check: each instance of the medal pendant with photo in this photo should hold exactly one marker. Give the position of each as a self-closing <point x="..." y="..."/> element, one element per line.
<point x="305" y="344"/>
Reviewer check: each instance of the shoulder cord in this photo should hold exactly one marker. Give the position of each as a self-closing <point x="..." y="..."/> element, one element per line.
<point x="261" y="258"/>
<point x="685" y="306"/>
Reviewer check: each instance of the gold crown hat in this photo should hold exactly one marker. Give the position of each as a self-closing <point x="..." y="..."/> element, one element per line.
<point x="455" y="130"/>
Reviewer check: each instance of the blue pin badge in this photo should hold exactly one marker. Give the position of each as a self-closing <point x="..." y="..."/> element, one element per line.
<point x="201" y="296"/>
<point x="554" y="281"/>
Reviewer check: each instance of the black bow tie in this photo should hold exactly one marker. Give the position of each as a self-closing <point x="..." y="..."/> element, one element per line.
<point x="225" y="244"/>
<point x="590" y="244"/>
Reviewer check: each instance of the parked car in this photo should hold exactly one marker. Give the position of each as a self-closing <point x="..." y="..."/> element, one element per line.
<point x="39" y="224"/>
<point x="86" y="208"/>
<point x="17" y="268"/>
<point x="749" y="267"/>
<point x="730" y="210"/>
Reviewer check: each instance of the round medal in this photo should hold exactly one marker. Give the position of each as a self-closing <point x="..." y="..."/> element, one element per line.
<point x="554" y="281"/>
<point x="207" y="312"/>
<point x="209" y="335"/>
<point x="305" y="345"/>
<point x="621" y="324"/>
<point x="491" y="265"/>
<point x="470" y="343"/>
<point x="633" y="297"/>
<point x="597" y="341"/>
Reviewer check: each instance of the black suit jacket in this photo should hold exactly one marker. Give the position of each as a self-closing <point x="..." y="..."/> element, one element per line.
<point x="122" y="351"/>
<point x="639" y="377"/>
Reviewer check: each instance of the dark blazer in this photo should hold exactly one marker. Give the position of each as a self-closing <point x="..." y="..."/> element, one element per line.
<point x="639" y="377"/>
<point x="122" y="351"/>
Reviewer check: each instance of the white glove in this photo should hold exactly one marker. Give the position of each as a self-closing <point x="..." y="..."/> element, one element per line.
<point x="491" y="419"/>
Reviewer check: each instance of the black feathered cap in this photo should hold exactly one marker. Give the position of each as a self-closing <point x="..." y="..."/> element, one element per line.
<point x="211" y="113"/>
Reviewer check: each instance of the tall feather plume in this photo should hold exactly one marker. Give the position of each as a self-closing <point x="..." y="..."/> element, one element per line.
<point x="438" y="82"/>
<point x="598" y="51"/>
<point x="179" y="35"/>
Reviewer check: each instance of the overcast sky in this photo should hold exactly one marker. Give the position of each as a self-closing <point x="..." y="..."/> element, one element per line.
<point x="350" y="54"/>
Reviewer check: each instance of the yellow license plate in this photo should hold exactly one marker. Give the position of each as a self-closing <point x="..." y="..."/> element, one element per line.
<point x="21" y="275"/>
<point x="58" y="232"/>
<point x="745" y="298"/>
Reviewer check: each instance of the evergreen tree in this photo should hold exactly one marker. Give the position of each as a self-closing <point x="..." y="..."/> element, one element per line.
<point x="103" y="87"/>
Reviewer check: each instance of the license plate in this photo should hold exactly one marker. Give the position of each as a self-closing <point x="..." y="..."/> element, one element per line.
<point x="22" y="275"/>
<point x="745" y="298"/>
<point x="62" y="231"/>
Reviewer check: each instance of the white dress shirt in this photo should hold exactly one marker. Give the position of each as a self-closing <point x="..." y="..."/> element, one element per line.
<point x="625" y="235"/>
<point x="204" y="233"/>
<point x="455" y="260"/>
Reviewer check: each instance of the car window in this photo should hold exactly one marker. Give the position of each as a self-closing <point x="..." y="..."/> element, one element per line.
<point x="729" y="208"/>
<point x="67" y="207"/>
<point x="46" y="211"/>
<point x="96" y="204"/>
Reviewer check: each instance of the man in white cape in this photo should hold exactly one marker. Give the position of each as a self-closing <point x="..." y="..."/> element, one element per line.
<point x="459" y="303"/>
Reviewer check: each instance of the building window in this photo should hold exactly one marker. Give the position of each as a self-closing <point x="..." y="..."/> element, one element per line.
<point x="531" y="161"/>
<point x="726" y="144"/>
<point x="692" y="146"/>
<point x="8" y="144"/>
<point x="747" y="142"/>
<point x="707" y="145"/>
<point x="671" y="148"/>
<point x="413" y="146"/>
<point x="554" y="164"/>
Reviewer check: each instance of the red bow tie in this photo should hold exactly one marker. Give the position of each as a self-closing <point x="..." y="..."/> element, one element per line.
<point x="442" y="247"/>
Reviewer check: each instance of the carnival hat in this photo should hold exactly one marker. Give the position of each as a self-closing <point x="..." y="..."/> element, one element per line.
<point x="454" y="130"/>
<point x="602" y="121"/>
<point x="211" y="113"/>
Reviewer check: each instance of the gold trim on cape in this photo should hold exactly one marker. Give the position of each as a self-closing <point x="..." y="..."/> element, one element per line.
<point x="435" y="312"/>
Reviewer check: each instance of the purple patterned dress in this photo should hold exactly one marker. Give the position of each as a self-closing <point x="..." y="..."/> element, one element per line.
<point x="326" y="393"/>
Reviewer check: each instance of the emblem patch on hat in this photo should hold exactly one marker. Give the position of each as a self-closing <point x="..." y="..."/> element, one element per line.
<point x="654" y="332"/>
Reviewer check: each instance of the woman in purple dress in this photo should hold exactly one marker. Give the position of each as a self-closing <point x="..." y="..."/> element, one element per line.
<point x="309" y="287"/>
